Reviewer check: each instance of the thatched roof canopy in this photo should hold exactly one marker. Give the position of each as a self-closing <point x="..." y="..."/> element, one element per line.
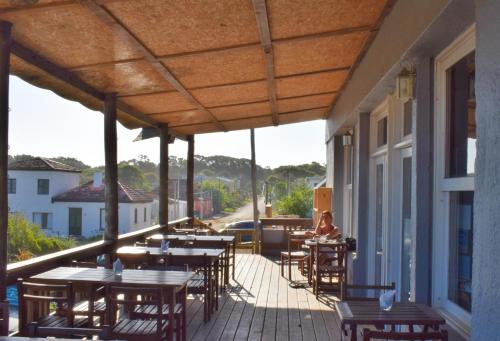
<point x="200" y="66"/>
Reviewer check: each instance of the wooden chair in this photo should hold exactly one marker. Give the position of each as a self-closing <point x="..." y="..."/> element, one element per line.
<point x="35" y="317"/>
<point x="154" y="327"/>
<point x="330" y="261"/>
<point x="369" y="335"/>
<point x="295" y="253"/>
<point x="4" y="318"/>
<point x="224" y="259"/>
<point x="376" y="289"/>
<point x="93" y="294"/>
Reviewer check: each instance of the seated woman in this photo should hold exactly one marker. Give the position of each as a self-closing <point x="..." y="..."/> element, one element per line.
<point x="325" y="227"/>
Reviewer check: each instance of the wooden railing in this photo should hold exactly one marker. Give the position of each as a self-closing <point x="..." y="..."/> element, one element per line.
<point x="275" y="231"/>
<point x="40" y="264"/>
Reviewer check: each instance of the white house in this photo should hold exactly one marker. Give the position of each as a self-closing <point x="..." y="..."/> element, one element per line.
<point x="47" y="193"/>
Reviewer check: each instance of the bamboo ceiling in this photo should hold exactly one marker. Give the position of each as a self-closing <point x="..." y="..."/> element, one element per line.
<point x="200" y="66"/>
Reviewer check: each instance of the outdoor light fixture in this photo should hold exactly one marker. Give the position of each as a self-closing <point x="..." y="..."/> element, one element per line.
<point x="405" y="83"/>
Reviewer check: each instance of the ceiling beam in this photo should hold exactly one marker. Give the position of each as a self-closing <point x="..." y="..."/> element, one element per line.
<point x="259" y="7"/>
<point x="118" y="28"/>
<point x="68" y="77"/>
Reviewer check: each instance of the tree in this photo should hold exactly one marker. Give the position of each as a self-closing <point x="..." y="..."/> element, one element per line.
<point x="132" y="176"/>
<point x="299" y="202"/>
<point x="71" y="161"/>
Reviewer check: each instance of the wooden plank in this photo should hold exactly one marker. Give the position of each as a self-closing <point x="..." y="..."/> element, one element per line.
<point x="260" y="10"/>
<point x="305" y="312"/>
<point x="270" y="321"/>
<point x="70" y="78"/>
<point x="5" y="47"/>
<point x="107" y="18"/>
<point x="205" y="328"/>
<point x="257" y="326"/>
<point x="294" y="322"/>
<point x="282" y="316"/>
<point x="190" y="177"/>
<point x="163" y="191"/>
<point x="241" y="295"/>
<point x="111" y="169"/>
<point x="320" y="327"/>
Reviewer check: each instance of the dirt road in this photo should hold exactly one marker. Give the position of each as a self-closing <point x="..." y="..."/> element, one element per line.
<point x="242" y="213"/>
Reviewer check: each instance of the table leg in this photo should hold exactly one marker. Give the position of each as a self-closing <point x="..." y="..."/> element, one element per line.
<point x="184" y="315"/>
<point x="234" y="257"/>
<point x="226" y="266"/>
<point x="311" y="262"/>
<point x="171" y="305"/>
<point x="354" y="332"/>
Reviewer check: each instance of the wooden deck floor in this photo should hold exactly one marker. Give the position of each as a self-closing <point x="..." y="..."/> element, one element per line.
<point x="260" y="305"/>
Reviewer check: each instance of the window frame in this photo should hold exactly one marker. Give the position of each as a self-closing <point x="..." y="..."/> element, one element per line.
<point x="11" y="181"/>
<point x="39" y="182"/>
<point x="443" y="186"/>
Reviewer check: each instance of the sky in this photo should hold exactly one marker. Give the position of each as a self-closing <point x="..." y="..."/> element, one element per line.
<point x="44" y="124"/>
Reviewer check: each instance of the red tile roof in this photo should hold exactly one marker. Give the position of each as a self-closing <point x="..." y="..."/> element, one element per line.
<point x="89" y="193"/>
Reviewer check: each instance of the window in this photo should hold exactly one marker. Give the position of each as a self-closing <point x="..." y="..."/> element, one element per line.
<point x="102" y="219"/>
<point x="145" y="214"/>
<point x="43" y="186"/>
<point x="461" y="118"/>
<point x="135" y="216"/>
<point x="11" y="186"/>
<point x="382" y="132"/>
<point x="460" y="248"/>
<point x="44" y="220"/>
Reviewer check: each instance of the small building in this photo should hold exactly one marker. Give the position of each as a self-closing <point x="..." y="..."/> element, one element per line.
<point x="80" y="211"/>
<point x="31" y="185"/>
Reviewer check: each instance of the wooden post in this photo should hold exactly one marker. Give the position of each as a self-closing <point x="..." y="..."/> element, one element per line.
<point x="164" y="140"/>
<point x="254" y="195"/>
<point x="5" y="45"/>
<point x="111" y="170"/>
<point x="190" y="177"/>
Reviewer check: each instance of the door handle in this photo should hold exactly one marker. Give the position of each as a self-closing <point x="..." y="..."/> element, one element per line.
<point x="380" y="253"/>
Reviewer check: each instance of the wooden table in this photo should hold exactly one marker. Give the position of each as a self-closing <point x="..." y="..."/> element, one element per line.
<point x="191" y="256"/>
<point x="228" y="240"/>
<point x="170" y="281"/>
<point x="354" y="313"/>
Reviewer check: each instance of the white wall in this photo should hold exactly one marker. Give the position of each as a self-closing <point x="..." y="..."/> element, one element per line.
<point x="26" y="200"/>
<point x="91" y="217"/>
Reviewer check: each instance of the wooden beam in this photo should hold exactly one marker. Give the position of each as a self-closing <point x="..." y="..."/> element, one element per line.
<point x="259" y="7"/>
<point x="111" y="169"/>
<point x="164" y="141"/>
<point x="121" y="31"/>
<point x="253" y="166"/>
<point x="190" y="177"/>
<point x="5" y="46"/>
<point x="70" y="78"/>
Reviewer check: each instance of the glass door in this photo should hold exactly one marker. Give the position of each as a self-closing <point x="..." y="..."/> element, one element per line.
<point x="407" y="242"/>
<point x="380" y="217"/>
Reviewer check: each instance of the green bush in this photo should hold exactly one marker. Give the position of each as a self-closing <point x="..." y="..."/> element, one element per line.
<point x="26" y="240"/>
<point x="299" y="202"/>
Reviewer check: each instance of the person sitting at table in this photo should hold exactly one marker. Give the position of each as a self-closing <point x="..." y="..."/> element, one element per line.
<point x="325" y="227"/>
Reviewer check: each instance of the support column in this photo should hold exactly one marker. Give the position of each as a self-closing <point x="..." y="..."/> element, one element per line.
<point x="486" y="252"/>
<point x="422" y="182"/>
<point x="5" y="44"/>
<point x="111" y="169"/>
<point x="254" y="194"/>
<point x="361" y="192"/>
<point x="190" y="177"/>
<point x="164" y="141"/>
<point x="338" y="182"/>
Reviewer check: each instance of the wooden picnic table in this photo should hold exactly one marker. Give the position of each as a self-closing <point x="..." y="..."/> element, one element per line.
<point x="201" y="240"/>
<point x="354" y="313"/>
<point x="171" y="282"/>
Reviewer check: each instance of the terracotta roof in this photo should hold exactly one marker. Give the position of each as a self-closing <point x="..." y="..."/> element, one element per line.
<point x="89" y="193"/>
<point x="41" y="164"/>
